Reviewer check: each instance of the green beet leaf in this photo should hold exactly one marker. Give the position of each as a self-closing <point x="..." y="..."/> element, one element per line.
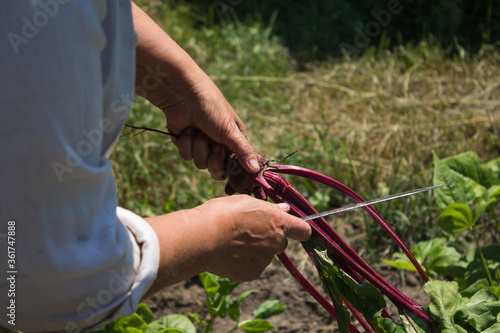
<point x="173" y="323"/>
<point x="445" y="302"/>
<point x="145" y="313"/>
<point x="255" y="325"/>
<point x="490" y="173"/>
<point x="269" y="308"/>
<point x="455" y="218"/>
<point x="364" y="297"/>
<point x="464" y="186"/>
<point x="234" y="307"/>
<point x="386" y="325"/>
<point x="484" y="308"/>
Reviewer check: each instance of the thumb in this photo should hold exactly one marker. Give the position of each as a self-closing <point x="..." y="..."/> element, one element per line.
<point x="238" y="143"/>
<point x="297" y="228"/>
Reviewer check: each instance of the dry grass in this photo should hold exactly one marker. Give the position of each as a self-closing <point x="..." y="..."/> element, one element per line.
<point x="385" y="111"/>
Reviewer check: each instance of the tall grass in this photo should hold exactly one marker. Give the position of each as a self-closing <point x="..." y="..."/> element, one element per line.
<point x="372" y="122"/>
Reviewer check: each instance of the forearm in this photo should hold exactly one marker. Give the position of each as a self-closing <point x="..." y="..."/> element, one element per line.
<point x="164" y="71"/>
<point x="186" y="246"/>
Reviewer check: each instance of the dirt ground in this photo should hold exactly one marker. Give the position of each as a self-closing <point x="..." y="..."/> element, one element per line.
<point x="303" y="313"/>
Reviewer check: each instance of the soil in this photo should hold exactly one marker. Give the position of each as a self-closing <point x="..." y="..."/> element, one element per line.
<point x="303" y="313"/>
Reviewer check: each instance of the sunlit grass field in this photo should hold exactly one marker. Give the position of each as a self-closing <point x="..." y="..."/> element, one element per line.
<point x="371" y="122"/>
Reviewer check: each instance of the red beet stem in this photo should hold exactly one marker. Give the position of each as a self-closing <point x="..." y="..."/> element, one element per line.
<point x="313" y="175"/>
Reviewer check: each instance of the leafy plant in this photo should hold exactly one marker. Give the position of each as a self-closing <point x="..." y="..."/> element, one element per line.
<point x="473" y="185"/>
<point x="142" y="322"/>
<point x="434" y="255"/>
<point x="219" y="304"/>
<point x="471" y="302"/>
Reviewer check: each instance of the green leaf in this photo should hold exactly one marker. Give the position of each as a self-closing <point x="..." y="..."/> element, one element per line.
<point x="209" y="282"/>
<point x="234" y="307"/>
<point x="493" y="192"/>
<point x="445" y="302"/>
<point x="269" y="308"/>
<point x="128" y="324"/>
<point x="145" y="313"/>
<point x="174" y="323"/>
<point x="466" y="164"/>
<point x="403" y="263"/>
<point x="492" y="329"/>
<point x="480" y="208"/>
<point x="443" y="260"/>
<point x="474" y="273"/>
<point x="413" y="323"/>
<point x="463" y="188"/>
<point x="438" y="258"/>
<point x="195" y="318"/>
<point x="364" y="297"/>
<point x="483" y="309"/>
<point x="455" y="218"/>
<point x="255" y="325"/>
<point x="386" y="325"/>
<point x="216" y="284"/>
<point x="490" y="173"/>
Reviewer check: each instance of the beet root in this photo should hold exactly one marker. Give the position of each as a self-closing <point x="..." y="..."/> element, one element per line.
<point x="238" y="179"/>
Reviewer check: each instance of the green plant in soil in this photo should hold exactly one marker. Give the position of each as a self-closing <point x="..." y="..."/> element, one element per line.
<point x="219" y="304"/>
<point x="469" y="303"/>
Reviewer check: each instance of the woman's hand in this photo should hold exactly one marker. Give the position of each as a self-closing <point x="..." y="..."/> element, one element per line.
<point x="235" y="237"/>
<point x="204" y="124"/>
<point x="251" y="232"/>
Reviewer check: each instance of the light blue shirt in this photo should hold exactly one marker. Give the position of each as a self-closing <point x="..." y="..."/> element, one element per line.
<point x="66" y="82"/>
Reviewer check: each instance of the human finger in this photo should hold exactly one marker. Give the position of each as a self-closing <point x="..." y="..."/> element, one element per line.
<point x="200" y="150"/>
<point x="283" y="246"/>
<point x="235" y="140"/>
<point x="296" y="228"/>
<point x="215" y="162"/>
<point x="185" y="144"/>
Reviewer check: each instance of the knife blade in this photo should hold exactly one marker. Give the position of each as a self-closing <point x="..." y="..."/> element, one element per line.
<point x="370" y="202"/>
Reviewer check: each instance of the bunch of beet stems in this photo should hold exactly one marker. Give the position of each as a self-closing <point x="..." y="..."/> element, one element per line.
<point x="269" y="184"/>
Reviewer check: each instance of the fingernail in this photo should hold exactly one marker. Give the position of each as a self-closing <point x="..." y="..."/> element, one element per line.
<point x="254" y="164"/>
<point x="284" y="206"/>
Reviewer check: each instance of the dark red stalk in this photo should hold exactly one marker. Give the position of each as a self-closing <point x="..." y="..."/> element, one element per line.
<point x="280" y="190"/>
<point x="269" y="184"/>
<point x="313" y="175"/>
<point x="330" y="233"/>
<point x="287" y="263"/>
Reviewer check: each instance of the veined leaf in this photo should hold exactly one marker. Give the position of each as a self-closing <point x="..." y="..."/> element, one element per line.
<point x="466" y="164"/>
<point x="172" y="323"/>
<point x="434" y="255"/>
<point x="255" y="325"/>
<point x="403" y="263"/>
<point x="490" y="173"/>
<point x="145" y="313"/>
<point x="463" y="188"/>
<point x="455" y="218"/>
<point x="269" y="308"/>
<point x="364" y="297"/>
<point x="445" y="302"/>
<point x="234" y="307"/>
<point x="386" y="325"/>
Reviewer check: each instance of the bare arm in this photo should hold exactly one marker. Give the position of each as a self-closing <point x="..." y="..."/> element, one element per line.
<point x="235" y="237"/>
<point x="194" y="107"/>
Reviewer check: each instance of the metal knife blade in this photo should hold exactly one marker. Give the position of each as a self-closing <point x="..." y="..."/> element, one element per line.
<point x="370" y="202"/>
